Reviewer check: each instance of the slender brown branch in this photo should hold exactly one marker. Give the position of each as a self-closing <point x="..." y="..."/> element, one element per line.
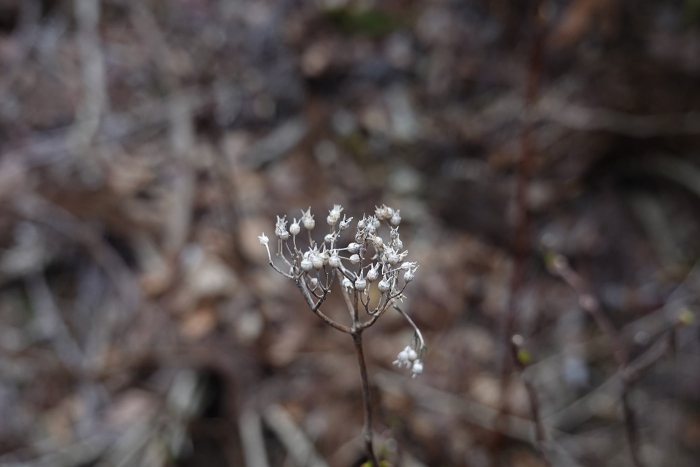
<point x="528" y="151"/>
<point x="366" y="401"/>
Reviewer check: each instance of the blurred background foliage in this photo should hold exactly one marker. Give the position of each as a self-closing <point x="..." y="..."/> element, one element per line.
<point x="145" y="144"/>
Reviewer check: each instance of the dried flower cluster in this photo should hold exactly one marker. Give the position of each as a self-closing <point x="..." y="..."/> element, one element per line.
<point x="372" y="267"/>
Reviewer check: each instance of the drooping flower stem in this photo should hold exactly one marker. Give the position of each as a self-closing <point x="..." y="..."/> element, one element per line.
<point x="366" y="401"/>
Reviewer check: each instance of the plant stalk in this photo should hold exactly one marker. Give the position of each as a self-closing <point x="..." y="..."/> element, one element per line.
<point x="367" y="429"/>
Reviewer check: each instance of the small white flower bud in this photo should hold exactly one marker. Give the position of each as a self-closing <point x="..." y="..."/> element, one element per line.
<point x="306" y="265"/>
<point x="373" y="273"/>
<point x="314" y="283"/>
<point x="412" y="355"/>
<point x="328" y="238"/>
<point x="396" y="218"/>
<point x="325" y="257"/>
<point x="378" y="242"/>
<point x="307" y="219"/>
<point x="398" y="244"/>
<point x="359" y="237"/>
<point x="384" y="285"/>
<point x="344" y="224"/>
<point x="417" y="368"/>
<point x="353" y="247"/>
<point x="334" y="260"/>
<point x="408" y="276"/>
<point x="294" y="229"/>
<point x="263" y="239"/>
<point x="394" y="233"/>
<point x="354" y="259"/>
<point x="360" y="283"/>
<point x="347" y="285"/>
<point x="317" y="262"/>
<point x="375" y="223"/>
<point x="281" y="228"/>
<point x="361" y="224"/>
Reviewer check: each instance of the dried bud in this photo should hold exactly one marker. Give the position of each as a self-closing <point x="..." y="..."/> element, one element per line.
<point x="378" y="242"/>
<point x="344" y="224"/>
<point x="360" y="283"/>
<point x="384" y="285"/>
<point x="354" y="259"/>
<point x="317" y="262"/>
<point x="294" y="229"/>
<point x="353" y="247"/>
<point x="396" y="218"/>
<point x="334" y="260"/>
<point x="308" y="219"/>
<point x="263" y="239"/>
<point x="306" y="265"/>
<point x="373" y="273"/>
<point x="347" y="285"/>
<point x="417" y="368"/>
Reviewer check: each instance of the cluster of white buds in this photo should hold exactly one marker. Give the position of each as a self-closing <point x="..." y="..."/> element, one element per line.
<point x="370" y="259"/>
<point x="410" y="358"/>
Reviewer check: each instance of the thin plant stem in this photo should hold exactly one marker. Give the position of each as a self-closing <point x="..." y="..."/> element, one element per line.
<point x="366" y="401"/>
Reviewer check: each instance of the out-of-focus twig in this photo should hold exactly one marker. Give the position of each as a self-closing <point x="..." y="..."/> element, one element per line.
<point x="587" y="302"/>
<point x="297" y="443"/>
<point x="250" y="428"/>
<point x="92" y="106"/>
<point x="521" y="240"/>
<point x="182" y="132"/>
<point x="52" y="323"/>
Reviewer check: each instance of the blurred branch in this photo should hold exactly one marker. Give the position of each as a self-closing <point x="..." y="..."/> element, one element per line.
<point x="292" y="437"/>
<point x="87" y="16"/>
<point x="252" y="441"/>
<point x="590" y="304"/>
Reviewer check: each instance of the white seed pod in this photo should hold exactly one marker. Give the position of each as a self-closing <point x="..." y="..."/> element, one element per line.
<point x="384" y="285"/>
<point x="284" y="235"/>
<point x="412" y="355"/>
<point x="294" y="229"/>
<point x="378" y="242"/>
<point x="306" y="265"/>
<point x="314" y="283"/>
<point x="417" y="368"/>
<point x="398" y="244"/>
<point x="317" y="262"/>
<point x="375" y="223"/>
<point x="344" y="224"/>
<point x="355" y="259"/>
<point x="361" y="224"/>
<point x="409" y="275"/>
<point x="328" y="238"/>
<point x="396" y="218"/>
<point x="394" y="233"/>
<point x="347" y="285"/>
<point x="325" y="257"/>
<point x="373" y="273"/>
<point x="334" y="260"/>
<point x="392" y="258"/>
<point x="307" y="219"/>
<point x="359" y="236"/>
<point x="389" y="211"/>
<point x="353" y="247"/>
<point x="360" y="283"/>
<point x="263" y="239"/>
<point x="380" y="212"/>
